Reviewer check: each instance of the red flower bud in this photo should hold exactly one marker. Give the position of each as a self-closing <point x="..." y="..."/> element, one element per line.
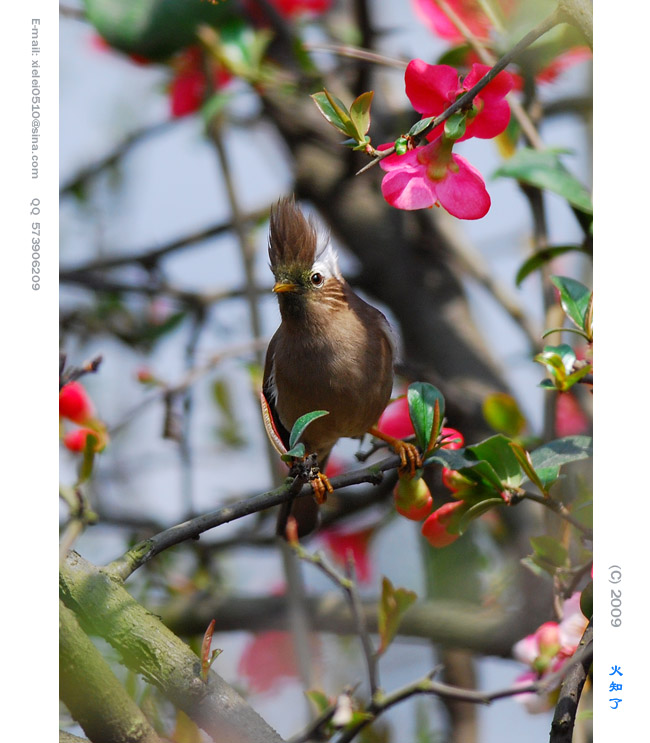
<point x="395" y="420"/>
<point x="413" y="498"/>
<point x="453" y="439"/>
<point x="434" y="529"/>
<point x="76" y="440"/>
<point x="75" y="404"/>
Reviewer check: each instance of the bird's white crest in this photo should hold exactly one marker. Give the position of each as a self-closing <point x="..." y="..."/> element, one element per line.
<point x="326" y="261"/>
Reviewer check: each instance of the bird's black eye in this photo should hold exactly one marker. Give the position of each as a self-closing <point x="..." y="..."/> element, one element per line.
<point x="317" y="278"/>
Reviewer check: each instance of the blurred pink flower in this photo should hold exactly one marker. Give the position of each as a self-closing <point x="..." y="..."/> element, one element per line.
<point x="570" y="419"/>
<point x="342" y="543"/>
<point x="546" y="651"/>
<point x="432" y="175"/>
<point x="433" y="88"/>
<point x="469" y="11"/>
<point x="268" y="659"/>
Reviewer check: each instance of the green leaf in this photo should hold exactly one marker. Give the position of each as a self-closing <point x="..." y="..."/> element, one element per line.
<point x="587" y="600"/>
<point x="542" y="257"/>
<point x="319" y="699"/>
<point x="153" y="28"/>
<point x="296" y="452"/>
<point x="473" y="512"/>
<point x="335" y="111"/>
<point x="393" y="603"/>
<point x="301" y="424"/>
<point x="562" y="451"/>
<point x="544" y="170"/>
<point x="499" y="454"/>
<point x="456" y="56"/>
<point x="526" y="465"/>
<point x="549" y="550"/>
<point x="455" y="125"/>
<point x="420" y="126"/>
<point x="502" y="413"/>
<point x="575" y="299"/>
<point x="464" y="461"/>
<point x="360" y="112"/>
<point x="422" y="399"/>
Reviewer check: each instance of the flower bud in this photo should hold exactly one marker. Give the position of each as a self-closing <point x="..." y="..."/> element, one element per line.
<point x="434" y="529"/>
<point x="76" y="440"/>
<point x="413" y="498"/>
<point x="74" y="403"/>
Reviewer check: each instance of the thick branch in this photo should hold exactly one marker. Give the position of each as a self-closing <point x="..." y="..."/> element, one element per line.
<point x="147" y="647"/>
<point x="570" y="691"/>
<point x="92" y="693"/>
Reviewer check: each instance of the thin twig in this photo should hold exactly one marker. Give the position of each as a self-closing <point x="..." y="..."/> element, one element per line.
<point x="518" y="111"/>
<point x="356" y="52"/>
<point x="465" y="101"/>
<point x="561" y="510"/>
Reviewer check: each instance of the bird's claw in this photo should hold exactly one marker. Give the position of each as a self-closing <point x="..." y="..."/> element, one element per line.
<point x="321" y="486"/>
<point x="410" y="459"/>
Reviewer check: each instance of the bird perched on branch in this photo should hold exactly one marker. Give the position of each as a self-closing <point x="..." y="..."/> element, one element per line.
<point x="332" y="352"/>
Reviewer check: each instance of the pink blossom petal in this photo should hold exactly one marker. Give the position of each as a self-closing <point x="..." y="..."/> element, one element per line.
<point x="407" y="162"/>
<point x="430" y="88"/>
<point x="468" y="10"/>
<point x="408" y="190"/>
<point x="573" y="623"/>
<point x="526" y="650"/>
<point x="463" y="194"/>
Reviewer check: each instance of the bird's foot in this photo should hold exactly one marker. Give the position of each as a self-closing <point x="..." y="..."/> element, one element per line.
<point x="321" y="486"/>
<point x="410" y="459"/>
<point x="307" y="467"/>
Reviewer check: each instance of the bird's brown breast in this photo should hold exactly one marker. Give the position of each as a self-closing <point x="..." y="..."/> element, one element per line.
<point x="339" y="358"/>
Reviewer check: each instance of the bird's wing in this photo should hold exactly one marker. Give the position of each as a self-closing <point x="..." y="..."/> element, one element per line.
<point x="270" y="393"/>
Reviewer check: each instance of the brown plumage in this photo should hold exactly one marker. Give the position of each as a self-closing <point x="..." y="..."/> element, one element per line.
<point x="332" y="351"/>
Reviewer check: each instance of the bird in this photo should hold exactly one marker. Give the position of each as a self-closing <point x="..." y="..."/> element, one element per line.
<point x="332" y="351"/>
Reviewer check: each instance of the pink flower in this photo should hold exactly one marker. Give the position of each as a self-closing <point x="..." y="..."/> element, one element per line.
<point x="433" y="88"/>
<point x="469" y="11"/>
<point x="570" y="419"/>
<point x="342" y="543"/>
<point x="432" y="175"/>
<point x="188" y="88"/>
<point x="547" y="649"/>
<point x="267" y="659"/>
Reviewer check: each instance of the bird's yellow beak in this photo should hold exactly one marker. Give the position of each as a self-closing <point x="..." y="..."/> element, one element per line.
<point x="284" y="286"/>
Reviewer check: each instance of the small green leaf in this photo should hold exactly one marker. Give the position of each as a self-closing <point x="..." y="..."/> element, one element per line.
<point x="562" y="451"/>
<point x="360" y="112"/>
<point x="296" y="452"/>
<point x="544" y="170"/>
<point x="320" y="700"/>
<point x="526" y="465"/>
<point x="497" y="452"/>
<point x="86" y="467"/>
<point x="455" y="125"/>
<point x="420" y="126"/>
<point x="502" y="413"/>
<point x="575" y="299"/>
<point x="473" y="512"/>
<point x="587" y="600"/>
<point x="335" y="112"/>
<point x="542" y="257"/>
<point x="393" y="603"/>
<point x="422" y="399"/>
<point x="549" y="550"/>
<point x="301" y="424"/>
<point x="456" y="56"/>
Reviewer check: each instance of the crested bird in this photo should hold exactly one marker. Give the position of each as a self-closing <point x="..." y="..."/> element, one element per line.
<point x="332" y="351"/>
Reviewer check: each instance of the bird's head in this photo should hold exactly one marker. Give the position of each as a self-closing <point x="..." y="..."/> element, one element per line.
<point x="303" y="261"/>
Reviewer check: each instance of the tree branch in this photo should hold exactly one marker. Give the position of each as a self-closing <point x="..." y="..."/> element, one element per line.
<point x="104" y="607"/>
<point x="92" y="693"/>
